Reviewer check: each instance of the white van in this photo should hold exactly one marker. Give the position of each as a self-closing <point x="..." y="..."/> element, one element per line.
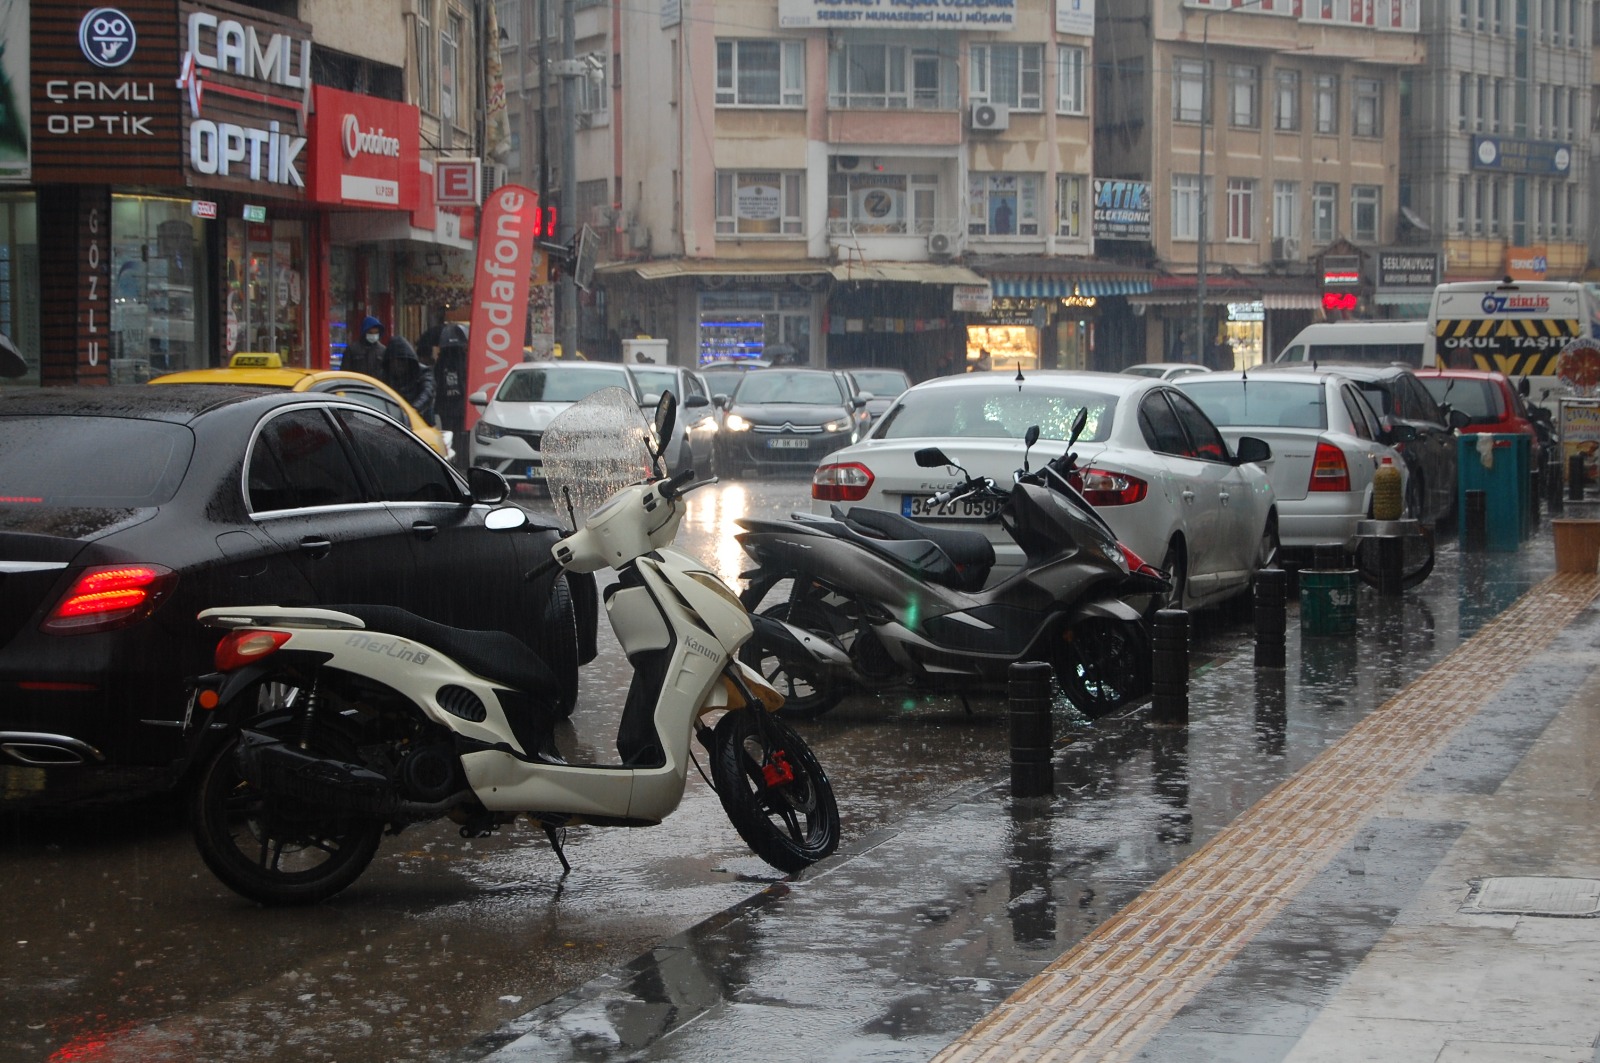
<point x="1513" y="327"/>
<point x="1369" y="342"/>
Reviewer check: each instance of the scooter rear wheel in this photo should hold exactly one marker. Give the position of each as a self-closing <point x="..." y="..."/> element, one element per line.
<point x="278" y="851"/>
<point x="807" y="692"/>
<point x="1103" y="664"/>
<point x="775" y="793"/>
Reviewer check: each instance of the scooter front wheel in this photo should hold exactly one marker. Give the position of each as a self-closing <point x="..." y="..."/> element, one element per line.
<point x="775" y="793"/>
<point x="1103" y="664"/>
<point x="275" y="851"/>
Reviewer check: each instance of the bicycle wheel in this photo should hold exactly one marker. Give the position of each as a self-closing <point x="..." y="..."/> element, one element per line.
<point x="775" y="793"/>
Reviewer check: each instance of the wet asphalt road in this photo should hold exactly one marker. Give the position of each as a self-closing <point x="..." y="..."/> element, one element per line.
<point x="945" y="897"/>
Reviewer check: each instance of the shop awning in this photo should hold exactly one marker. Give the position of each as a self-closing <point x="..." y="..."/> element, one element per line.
<point x="1044" y="286"/>
<point x="664" y="269"/>
<point x="1213" y="297"/>
<point x="1291" y="301"/>
<point x="906" y="273"/>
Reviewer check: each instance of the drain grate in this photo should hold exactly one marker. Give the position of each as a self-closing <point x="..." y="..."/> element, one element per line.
<point x="1570" y="897"/>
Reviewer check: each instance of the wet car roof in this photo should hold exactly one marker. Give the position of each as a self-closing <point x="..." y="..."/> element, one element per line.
<point x="177" y="402"/>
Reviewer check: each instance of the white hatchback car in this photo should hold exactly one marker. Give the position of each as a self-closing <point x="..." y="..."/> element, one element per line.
<point x="1326" y="443"/>
<point x="1159" y="471"/>
<point x="512" y="421"/>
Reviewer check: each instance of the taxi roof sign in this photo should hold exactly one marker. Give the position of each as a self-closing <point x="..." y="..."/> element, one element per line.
<point x="256" y="360"/>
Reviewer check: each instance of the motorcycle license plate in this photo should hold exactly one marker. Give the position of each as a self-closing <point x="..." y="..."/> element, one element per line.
<point x="961" y="509"/>
<point x="783" y="443"/>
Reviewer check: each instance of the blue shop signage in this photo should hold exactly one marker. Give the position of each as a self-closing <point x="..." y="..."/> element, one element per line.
<point x="1509" y="155"/>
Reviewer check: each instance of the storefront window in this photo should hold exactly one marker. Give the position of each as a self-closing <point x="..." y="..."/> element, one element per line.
<point x="160" y="312"/>
<point x="1009" y="347"/>
<point x="19" y="280"/>
<point x="266" y="289"/>
<point x="771" y="325"/>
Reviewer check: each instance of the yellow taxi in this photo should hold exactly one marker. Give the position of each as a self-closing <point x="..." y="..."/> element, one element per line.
<point x="265" y="369"/>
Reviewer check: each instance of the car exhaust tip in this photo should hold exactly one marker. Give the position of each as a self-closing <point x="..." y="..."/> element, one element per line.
<point x="39" y="750"/>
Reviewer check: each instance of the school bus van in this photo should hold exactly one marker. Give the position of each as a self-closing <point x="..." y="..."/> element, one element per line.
<point x="1514" y="327"/>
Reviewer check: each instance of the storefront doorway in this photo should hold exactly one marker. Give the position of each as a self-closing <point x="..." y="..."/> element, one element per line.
<point x="160" y="288"/>
<point x="266" y="289"/>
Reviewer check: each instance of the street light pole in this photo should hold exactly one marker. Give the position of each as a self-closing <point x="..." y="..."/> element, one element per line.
<point x="1206" y="109"/>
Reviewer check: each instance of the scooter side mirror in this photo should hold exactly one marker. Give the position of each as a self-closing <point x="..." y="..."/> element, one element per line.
<point x="666" y="420"/>
<point x="1078" y="424"/>
<point x="932" y="458"/>
<point x="1031" y="436"/>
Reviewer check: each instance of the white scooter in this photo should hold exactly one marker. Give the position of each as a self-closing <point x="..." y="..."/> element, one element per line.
<point x="325" y="727"/>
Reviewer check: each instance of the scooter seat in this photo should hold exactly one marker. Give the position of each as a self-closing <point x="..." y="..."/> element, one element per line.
<point x="970" y="552"/>
<point x="495" y="655"/>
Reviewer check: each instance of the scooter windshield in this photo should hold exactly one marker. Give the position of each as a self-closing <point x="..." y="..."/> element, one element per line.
<point x="593" y="449"/>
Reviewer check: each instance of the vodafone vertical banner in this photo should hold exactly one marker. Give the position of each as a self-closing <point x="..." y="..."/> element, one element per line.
<point x="500" y="287"/>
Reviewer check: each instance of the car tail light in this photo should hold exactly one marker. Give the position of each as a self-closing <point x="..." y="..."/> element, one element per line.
<point x="1328" y="469"/>
<point x="1103" y="487"/>
<point x="107" y="597"/>
<point x="848" y="482"/>
<point x="247" y="646"/>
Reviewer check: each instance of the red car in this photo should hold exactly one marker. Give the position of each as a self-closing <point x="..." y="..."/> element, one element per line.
<point x="1489" y="400"/>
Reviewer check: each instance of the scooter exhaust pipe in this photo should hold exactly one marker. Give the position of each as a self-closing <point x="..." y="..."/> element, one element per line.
<point x="283" y="770"/>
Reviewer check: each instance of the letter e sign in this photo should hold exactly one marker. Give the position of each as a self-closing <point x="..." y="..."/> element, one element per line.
<point x="456" y="182"/>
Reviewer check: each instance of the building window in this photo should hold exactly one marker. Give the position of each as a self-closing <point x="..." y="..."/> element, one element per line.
<point x="593" y="95"/>
<point x="1189" y="97"/>
<point x="1287" y="117"/>
<point x="1003" y="204"/>
<point x="760" y="203"/>
<point x="1464" y="103"/>
<point x="1069" y="205"/>
<point x="1185" y="206"/>
<point x="887" y="75"/>
<point x="508" y="13"/>
<point x="1242" y="209"/>
<point x="1069" y="80"/>
<point x="1325" y="103"/>
<point x="1244" y="96"/>
<point x="1285" y="209"/>
<point x="1365" y="201"/>
<point x="889" y="203"/>
<point x="1324" y="212"/>
<point x="1496" y="205"/>
<point x="1463" y="196"/>
<point x="761" y="73"/>
<point x="1366" y="103"/>
<point x="1012" y="74"/>
<point x="450" y="67"/>
<point x="426" y="56"/>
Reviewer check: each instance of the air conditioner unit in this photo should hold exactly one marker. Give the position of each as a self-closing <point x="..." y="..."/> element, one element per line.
<point x="990" y="117"/>
<point x="494" y="175"/>
<point x="846" y="163"/>
<point x="941" y="244"/>
<point x="1286" y="249"/>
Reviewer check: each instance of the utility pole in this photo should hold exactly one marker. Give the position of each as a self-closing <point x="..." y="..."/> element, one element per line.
<point x="570" y="72"/>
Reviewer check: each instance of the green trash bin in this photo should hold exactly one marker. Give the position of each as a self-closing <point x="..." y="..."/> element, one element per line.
<point x="1499" y="465"/>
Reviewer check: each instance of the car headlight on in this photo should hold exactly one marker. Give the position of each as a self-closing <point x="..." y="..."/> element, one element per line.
<point x="836" y="426"/>
<point x="734" y="423"/>
<point x="487" y="432"/>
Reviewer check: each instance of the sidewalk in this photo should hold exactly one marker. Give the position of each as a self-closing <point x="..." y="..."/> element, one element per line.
<point x="1288" y="878"/>
<point x="1400" y="898"/>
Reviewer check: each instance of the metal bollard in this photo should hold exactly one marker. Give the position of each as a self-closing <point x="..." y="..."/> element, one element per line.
<point x="1169" y="668"/>
<point x="1575" y="478"/>
<point x="1553" y="499"/>
<point x="1028" y="689"/>
<point x="1475" y="521"/>
<point x="1391" y="564"/>
<point x="1272" y="622"/>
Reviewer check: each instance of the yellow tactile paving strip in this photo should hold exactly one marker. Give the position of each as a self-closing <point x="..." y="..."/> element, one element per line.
<point x="1119" y="986"/>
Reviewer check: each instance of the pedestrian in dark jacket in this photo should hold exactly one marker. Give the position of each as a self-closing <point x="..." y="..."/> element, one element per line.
<point x="365" y="353"/>
<point x="450" y="378"/>
<point x="404" y="371"/>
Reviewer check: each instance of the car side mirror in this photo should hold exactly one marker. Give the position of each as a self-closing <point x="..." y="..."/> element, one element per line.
<point x="1524" y="388"/>
<point x="479" y="397"/>
<point x="720" y="401"/>
<point x="487" y="486"/>
<point x="932" y="458"/>
<point x="650" y="399"/>
<point x="858" y="403"/>
<point x="1252" y="450"/>
<point x="1399" y="433"/>
<point x="694" y="402"/>
<point x="1457" y="419"/>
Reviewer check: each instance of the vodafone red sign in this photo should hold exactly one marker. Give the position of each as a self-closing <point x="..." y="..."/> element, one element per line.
<point x="500" y="287"/>
<point x="364" y="151"/>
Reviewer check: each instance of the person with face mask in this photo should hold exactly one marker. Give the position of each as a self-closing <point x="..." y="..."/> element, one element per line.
<point x="365" y="355"/>
<point x="404" y="371"/>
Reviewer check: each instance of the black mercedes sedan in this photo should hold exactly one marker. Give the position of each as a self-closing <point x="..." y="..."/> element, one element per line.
<point x="124" y="511"/>
<point x="785" y="418"/>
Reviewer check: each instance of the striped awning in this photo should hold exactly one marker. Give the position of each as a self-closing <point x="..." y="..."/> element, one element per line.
<point x="1062" y="287"/>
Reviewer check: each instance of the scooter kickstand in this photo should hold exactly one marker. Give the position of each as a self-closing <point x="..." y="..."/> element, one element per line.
<point x="555" y="835"/>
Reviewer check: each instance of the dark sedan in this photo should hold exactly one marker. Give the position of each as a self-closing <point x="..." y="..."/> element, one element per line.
<point x="785" y="418"/>
<point x="125" y="511"/>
